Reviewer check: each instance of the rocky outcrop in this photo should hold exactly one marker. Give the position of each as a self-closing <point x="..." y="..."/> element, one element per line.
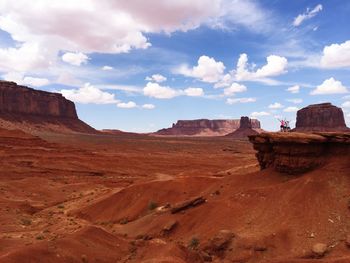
<point x="245" y="129"/>
<point x="26" y="107"/>
<point x="204" y="127"/>
<point x="296" y="153"/>
<point x="320" y="117"/>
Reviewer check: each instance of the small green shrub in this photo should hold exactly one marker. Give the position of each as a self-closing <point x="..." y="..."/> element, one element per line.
<point x="194" y="243"/>
<point x="152" y="205"/>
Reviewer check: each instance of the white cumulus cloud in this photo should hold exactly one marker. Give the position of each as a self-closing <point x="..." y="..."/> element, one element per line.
<point x="25" y="80"/>
<point x="336" y="55"/>
<point x="346" y="104"/>
<point x="295" y="101"/>
<point x="75" y="59"/>
<point x="330" y="86"/>
<point x="208" y="70"/>
<point x="276" y="105"/>
<point x="256" y="114"/>
<point x="156" y="78"/>
<point x="109" y="26"/>
<point x="157" y="91"/>
<point x="126" y="105"/>
<point x="89" y="94"/>
<point x="148" y="106"/>
<point x="234" y="88"/>
<point x="194" y="92"/>
<point x="294" y="89"/>
<point x="275" y="66"/>
<point x="107" y="68"/>
<point x="240" y="100"/>
<point x="291" y="109"/>
<point x="310" y="13"/>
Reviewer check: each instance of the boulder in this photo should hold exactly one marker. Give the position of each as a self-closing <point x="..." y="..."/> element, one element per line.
<point x="319" y="249"/>
<point x="320" y="117"/>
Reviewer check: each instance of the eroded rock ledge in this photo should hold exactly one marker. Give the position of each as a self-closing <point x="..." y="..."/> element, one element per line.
<point x="296" y="153"/>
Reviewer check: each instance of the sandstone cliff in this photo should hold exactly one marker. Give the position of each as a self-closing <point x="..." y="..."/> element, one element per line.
<point x="295" y="153"/>
<point x="26" y="108"/>
<point x="320" y="117"/>
<point x="204" y="127"/>
<point x="245" y="129"/>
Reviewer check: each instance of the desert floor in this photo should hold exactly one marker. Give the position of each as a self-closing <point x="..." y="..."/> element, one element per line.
<point x="109" y="198"/>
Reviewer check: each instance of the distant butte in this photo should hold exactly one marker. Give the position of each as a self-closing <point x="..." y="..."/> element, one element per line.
<point x="245" y="129"/>
<point x="205" y="127"/>
<point x="26" y="108"/>
<point x="320" y="117"/>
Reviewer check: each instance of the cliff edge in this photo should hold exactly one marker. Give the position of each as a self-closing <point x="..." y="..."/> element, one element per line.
<point x="296" y="153"/>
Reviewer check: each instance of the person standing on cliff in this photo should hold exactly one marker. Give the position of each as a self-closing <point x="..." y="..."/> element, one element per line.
<point x="282" y="126"/>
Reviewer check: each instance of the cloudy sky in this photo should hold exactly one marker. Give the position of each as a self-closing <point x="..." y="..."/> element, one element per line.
<point x="140" y="65"/>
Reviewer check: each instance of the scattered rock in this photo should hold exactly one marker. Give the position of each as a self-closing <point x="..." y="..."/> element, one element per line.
<point x="260" y="248"/>
<point x="187" y="204"/>
<point x="170" y="226"/>
<point x="219" y="243"/>
<point x="319" y="249"/>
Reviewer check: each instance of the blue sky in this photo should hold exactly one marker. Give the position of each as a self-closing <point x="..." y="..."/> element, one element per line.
<point x="139" y="67"/>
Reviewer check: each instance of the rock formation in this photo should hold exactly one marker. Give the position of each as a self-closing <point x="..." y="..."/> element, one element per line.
<point x="245" y="129"/>
<point x="295" y="153"/>
<point x="204" y="127"/>
<point x="320" y="117"/>
<point x="28" y="107"/>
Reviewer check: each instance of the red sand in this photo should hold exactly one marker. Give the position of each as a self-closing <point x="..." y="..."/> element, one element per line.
<point x="105" y="198"/>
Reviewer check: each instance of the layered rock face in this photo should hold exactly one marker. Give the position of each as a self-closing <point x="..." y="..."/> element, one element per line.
<point x="204" y="127"/>
<point x="23" y="100"/>
<point x="245" y="129"/>
<point x="320" y="117"/>
<point x="296" y="153"/>
<point x="21" y="104"/>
